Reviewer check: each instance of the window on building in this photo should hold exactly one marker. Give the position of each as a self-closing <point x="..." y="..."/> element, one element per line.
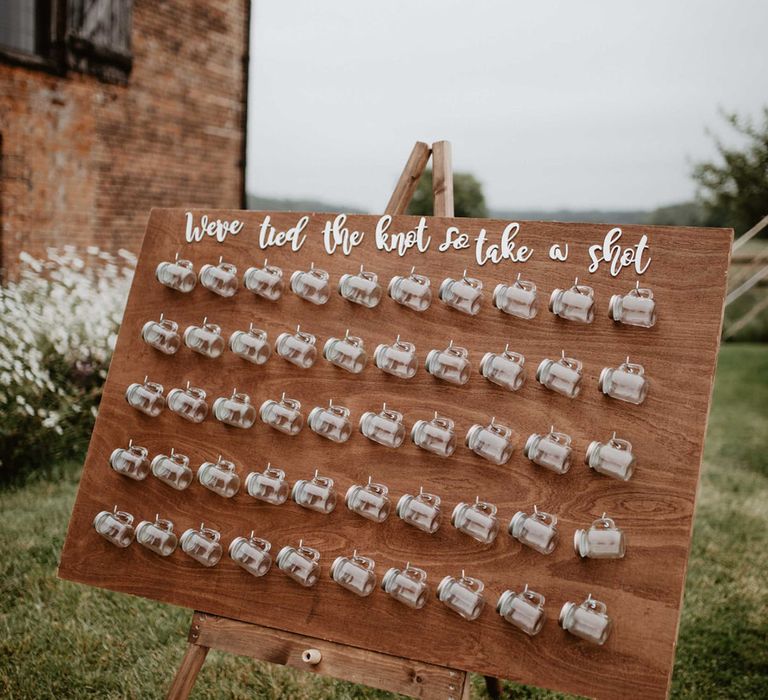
<point x="25" y="26"/>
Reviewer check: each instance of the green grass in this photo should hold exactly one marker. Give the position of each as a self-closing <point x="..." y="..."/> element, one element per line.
<point x="61" y="640"/>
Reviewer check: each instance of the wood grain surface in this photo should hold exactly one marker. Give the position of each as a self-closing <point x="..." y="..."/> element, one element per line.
<point x="655" y="509"/>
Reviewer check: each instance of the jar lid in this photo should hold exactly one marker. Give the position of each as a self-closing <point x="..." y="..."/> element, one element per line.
<point x="566" y="612"/>
<point x="441" y="587"/>
<point x="283" y="554"/>
<point x="402" y="504"/>
<point x="295" y="275"/>
<point x="350" y="492"/>
<point x="234" y="544"/>
<point x="430" y="355"/>
<point x="614" y="307"/>
<point x="472" y="432"/>
<point x="389" y="577"/>
<point x="447" y="282"/>
<point x="487" y="358"/>
<point x="603" y="381"/>
<point x="529" y="444"/>
<point x="578" y="540"/>
<point x="337" y="562"/>
<point x="555" y="293"/>
<point x="457" y="510"/>
<point x="544" y="365"/>
<point x="516" y="524"/>
<point x="592" y="449"/>
<point x="504" y="599"/>
<point x="496" y="292"/>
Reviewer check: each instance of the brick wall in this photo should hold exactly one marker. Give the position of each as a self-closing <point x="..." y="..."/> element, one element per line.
<point x="82" y="162"/>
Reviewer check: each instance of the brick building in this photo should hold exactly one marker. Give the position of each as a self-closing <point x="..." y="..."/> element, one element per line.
<point x="111" y="107"/>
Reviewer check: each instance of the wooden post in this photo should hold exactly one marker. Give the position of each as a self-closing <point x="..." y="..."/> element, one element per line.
<point x="190" y="666"/>
<point x="409" y="179"/>
<point x="442" y="178"/>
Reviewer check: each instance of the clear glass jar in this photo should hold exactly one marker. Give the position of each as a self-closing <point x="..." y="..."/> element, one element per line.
<point x="397" y="359"/>
<point x="347" y="352"/>
<point x="205" y="339"/>
<point x="462" y="595"/>
<point x="301" y="563"/>
<point x="252" y="345"/>
<point x="179" y="274"/>
<point x="266" y="281"/>
<point x="220" y="279"/>
<point x="369" y="501"/>
<point x="311" y="285"/>
<point x="574" y="304"/>
<point x="251" y="554"/>
<point x="297" y="348"/>
<point x="235" y="410"/>
<point x="636" y="308"/>
<point x="506" y="369"/>
<point x="422" y="511"/>
<point x="146" y="397"/>
<point x="524" y="610"/>
<point x="115" y="526"/>
<point x="220" y="477"/>
<point x="315" y="494"/>
<point x="492" y="442"/>
<point x="517" y="299"/>
<point x="451" y="365"/>
<point x="385" y="427"/>
<point x="613" y="458"/>
<point x="355" y="573"/>
<point x="587" y="621"/>
<point x="537" y="531"/>
<point x="627" y="382"/>
<point x="478" y="520"/>
<point x="283" y="415"/>
<point x="551" y="451"/>
<point x="173" y="470"/>
<point x="563" y="376"/>
<point x="163" y="335"/>
<point x="408" y="585"/>
<point x="412" y="291"/>
<point x="157" y="536"/>
<point x="603" y="540"/>
<point x="269" y="486"/>
<point x="130" y="461"/>
<point x="361" y="288"/>
<point x="188" y="403"/>
<point x="465" y="294"/>
<point x="202" y="545"/>
<point x="331" y="423"/>
<point x="436" y="436"/>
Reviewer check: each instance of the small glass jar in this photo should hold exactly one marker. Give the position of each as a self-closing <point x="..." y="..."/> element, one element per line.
<point x="251" y="554"/>
<point x="163" y="335"/>
<point x="283" y="415"/>
<point x="312" y="285"/>
<point x="397" y="359"/>
<point x="537" y="531"/>
<point x="369" y="501"/>
<point x="301" y="563"/>
<point x="315" y="494"/>
<point x="636" y="308"/>
<point x="613" y="458"/>
<point x="563" y="376"/>
<point x="421" y="511"/>
<point x="179" y="274"/>
<point x="412" y="291"/>
<point x="588" y="621"/>
<point x="463" y="595"/>
<point x="551" y="451"/>
<point x="205" y="339"/>
<point x="603" y="540"/>
<point x="202" y="545"/>
<point x="574" y="304"/>
<point x="188" y="403"/>
<point x="173" y="469"/>
<point x="235" y="410"/>
<point x="220" y="279"/>
<point x="220" y="477"/>
<point x="478" y="520"/>
<point x="385" y="427"/>
<point x="297" y="348"/>
<point x="115" y="526"/>
<point x="355" y="573"/>
<point x="524" y="610"/>
<point x="347" y="352"/>
<point x="465" y="294"/>
<point x="130" y="461"/>
<point x="269" y="486"/>
<point x="157" y="536"/>
<point x="451" y="365"/>
<point x="436" y="436"/>
<point x="492" y="442"/>
<point x="361" y="288"/>
<point x="331" y="423"/>
<point x="627" y="382"/>
<point x="506" y="369"/>
<point x="266" y="281"/>
<point x="252" y="345"/>
<point x="146" y="397"/>
<point x="408" y="585"/>
<point x="517" y="299"/>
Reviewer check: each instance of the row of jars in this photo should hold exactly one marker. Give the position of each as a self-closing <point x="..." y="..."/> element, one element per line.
<point x="356" y="573"/>
<point x="465" y="294"/>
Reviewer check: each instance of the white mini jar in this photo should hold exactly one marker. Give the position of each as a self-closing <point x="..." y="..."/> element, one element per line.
<point x="603" y="540"/>
<point x="283" y="415"/>
<point x="251" y="554"/>
<point x="157" y="536"/>
<point x="301" y="563"/>
<point x="436" y="436"/>
<point x="421" y="511"/>
<point x="189" y="403"/>
<point x="311" y="285"/>
<point x="524" y="610"/>
<point x="537" y="531"/>
<point x="408" y="586"/>
<point x="492" y="442"/>
<point x="269" y="486"/>
<point x="478" y="520"/>
<point x="551" y="450"/>
<point x="517" y="299"/>
<point x="463" y="595"/>
<point x="576" y="303"/>
<point x="220" y="279"/>
<point x="331" y="423"/>
<point x="251" y="345"/>
<point x="355" y="573"/>
<point x="205" y="339"/>
<point x="587" y="621"/>
<point x="563" y="376"/>
<point x="397" y="359"/>
<point x="130" y="461"/>
<point x="627" y="382"/>
<point x="636" y="308"/>
<point x="146" y="397"/>
<point x="179" y="274"/>
<point x="297" y="348"/>
<point x="235" y="410"/>
<point x="173" y="470"/>
<point x="361" y="288"/>
<point x="162" y="335"/>
<point x="315" y="494"/>
<point x="507" y="369"/>
<point x="385" y="427"/>
<point x="219" y="477"/>
<point x="115" y="526"/>
<point x="613" y="458"/>
<point x="451" y="365"/>
<point x="202" y="545"/>
<point x="347" y="353"/>
<point x="411" y="291"/>
<point x="370" y="501"/>
<point x="465" y="294"/>
<point x="265" y="282"/>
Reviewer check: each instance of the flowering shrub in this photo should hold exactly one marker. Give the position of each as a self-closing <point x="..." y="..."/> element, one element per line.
<point x="58" y="326"/>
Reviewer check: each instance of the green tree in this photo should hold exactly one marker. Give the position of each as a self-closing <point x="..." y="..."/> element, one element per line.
<point x="468" y="198"/>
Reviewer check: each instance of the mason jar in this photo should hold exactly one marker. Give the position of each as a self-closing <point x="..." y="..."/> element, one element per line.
<point x="524" y="610"/>
<point x="252" y="345"/>
<point x="116" y="526"/>
<point x="235" y="410"/>
<point x="563" y="376"/>
<point x="315" y="494"/>
<point x="551" y="451"/>
<point x="506" y="369"/>
<point x="636" y="308"/>
<point x="146" y="397"/>
<point x="411" y="291"/>
<point x="355" y="573"/>
<point x="576" y="303"/>
<point x="613" y="458"/>
<point x="408" y="585"/>
<point x="451" y="365"/>
<point x="347" y="352"/>
<point x="269" y="486"/>
<point x="130" y="461"/>
<point x="422" y="511"/>
<point x="189" y="403"/>
<point x="266" y="281"/>
<point x="301" y="563"/>
<point x="283" y="415"/>
<point x="385" y="427"/>
<point x="311" y="285"/>
<point x="537" y="531"/>
<point x="163" y="335"/>
<point x="627" y="382"/>
<point x="603" y="540"/>
<point x="361" y="288"/>
<point x="369" y="501"/>
<point x="436" y="436"/>
<point x="463" y="595"/>
<point x="220" y="279"/>
<point x="587" y="621"/>
<point x="178" y="275"/>
<point x="220" y="477"/>
<point x="173" y="469"/>
<point x="297" y="348"/>
<point x="465" y="294"/>
<point x="478" y="520"/>
<point x="492" y="442"/>
<point x="397" y="359"/>
<point x="517" y="299"/>
<point x="157" y="536"/>
<point x="251" y="554"/>
<point x="202" y="545"/>
<point x="331" y="423"/>
<point x="205" y="339"/>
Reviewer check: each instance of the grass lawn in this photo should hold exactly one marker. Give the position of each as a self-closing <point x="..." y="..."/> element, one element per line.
<point x="62" y="640"/>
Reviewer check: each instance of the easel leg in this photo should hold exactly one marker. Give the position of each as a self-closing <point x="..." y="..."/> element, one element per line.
<point x="186" y="676"/>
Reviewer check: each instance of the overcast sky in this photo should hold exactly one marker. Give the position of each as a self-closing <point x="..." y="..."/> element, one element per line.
<point x="550" y="104"/>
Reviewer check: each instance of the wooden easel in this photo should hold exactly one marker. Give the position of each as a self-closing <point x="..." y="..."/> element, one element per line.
<point x="348" y="663"/>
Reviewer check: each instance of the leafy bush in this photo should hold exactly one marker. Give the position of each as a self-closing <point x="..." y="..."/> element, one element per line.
<point x="58" y="325"/>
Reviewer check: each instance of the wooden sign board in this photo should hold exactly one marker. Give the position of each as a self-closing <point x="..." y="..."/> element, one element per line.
<point x="685" y="268"/>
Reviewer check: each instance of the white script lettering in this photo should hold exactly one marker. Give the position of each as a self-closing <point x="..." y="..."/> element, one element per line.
<point x="216" y="228"/>
<point x="617" y="256"/>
